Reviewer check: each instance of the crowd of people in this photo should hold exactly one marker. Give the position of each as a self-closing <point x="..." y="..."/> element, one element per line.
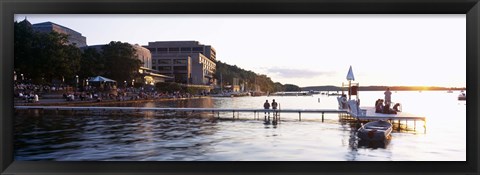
<point x="33" y="93"/>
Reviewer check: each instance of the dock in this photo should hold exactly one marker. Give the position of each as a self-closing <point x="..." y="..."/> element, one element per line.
<point x="368" y="114"/>
<point x="256" y="112"/>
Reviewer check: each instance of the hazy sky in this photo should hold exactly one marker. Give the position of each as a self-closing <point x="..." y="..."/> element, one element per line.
<point x="306" y="50"/>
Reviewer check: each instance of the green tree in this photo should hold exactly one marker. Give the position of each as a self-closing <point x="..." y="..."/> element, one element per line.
<point x="92" y="63"/>
<point x="278" y="87"/>
<point x="292" y="87"/>
<point x="43" y="57"/>
<point x="228" y="72"/>
<point x="23" y="47"/>
<point x="121" y="61"/>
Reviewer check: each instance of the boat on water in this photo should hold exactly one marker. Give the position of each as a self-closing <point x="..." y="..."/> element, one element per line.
<point x="375" y="131"/>
<point x="462" y="96"/>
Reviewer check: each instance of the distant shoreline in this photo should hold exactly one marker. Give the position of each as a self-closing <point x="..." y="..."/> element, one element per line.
<point x="382" y="88"/>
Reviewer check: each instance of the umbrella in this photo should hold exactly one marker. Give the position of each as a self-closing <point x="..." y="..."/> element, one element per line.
<point x="100" y="79"/>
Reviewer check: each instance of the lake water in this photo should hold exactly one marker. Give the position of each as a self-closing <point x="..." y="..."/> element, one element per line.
<point x="151" y="137"/>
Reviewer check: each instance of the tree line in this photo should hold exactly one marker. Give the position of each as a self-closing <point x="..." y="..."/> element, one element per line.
<point x="43" y="58"/>
<point x="226" y="73"/>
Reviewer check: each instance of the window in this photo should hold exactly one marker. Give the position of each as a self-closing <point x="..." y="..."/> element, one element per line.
<point x="152" y="50"/>
<point x="180" y="61"/>
<point x="180" y="68"/>
<point x="154" y="67"/>
<point x="186" y="49"/>
<point x="164" y="68"/>
<point x="164" y="61"/>
<point x="162" y="50"/>
<point x="173" y="50"/>
<point x="198" y="49"/>
<point x="154" y="61"/>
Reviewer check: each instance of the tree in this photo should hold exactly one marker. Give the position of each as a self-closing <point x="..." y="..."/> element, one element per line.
<point x="43" y="57"/>
<point x="291" y="87"/>
<point x="279" y="87"/>
<point x="121" y="61"/>
<point x="92" y="63"/>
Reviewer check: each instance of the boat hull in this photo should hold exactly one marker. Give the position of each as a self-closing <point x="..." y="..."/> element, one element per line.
<point x="375" y="131"/>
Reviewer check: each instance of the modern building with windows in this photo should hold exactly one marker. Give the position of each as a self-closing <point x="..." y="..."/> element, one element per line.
<point x="74" y="37"/>
<point x="189" y="62"/>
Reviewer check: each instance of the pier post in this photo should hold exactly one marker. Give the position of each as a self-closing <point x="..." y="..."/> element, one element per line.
<point x="406" y="125"/>
<point x="425" y="126"/>
<point x="415" y="125"/>
<point x="299" y="116"/>
<point x="398" y="124"/>
<point x="322" y="115"/>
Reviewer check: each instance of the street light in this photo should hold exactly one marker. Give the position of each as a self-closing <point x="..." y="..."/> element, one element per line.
<point x="133" y="81"/>
<point x="22" y="76"/>
<point x="76" y="82"/>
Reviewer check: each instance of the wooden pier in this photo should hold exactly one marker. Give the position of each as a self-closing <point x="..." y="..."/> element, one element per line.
<point x="256" y="112"/>
<point x="367" y="115"/>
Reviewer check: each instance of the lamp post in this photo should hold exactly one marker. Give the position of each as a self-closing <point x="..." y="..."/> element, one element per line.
<point x="22" y="76"/>
<point x="125" y="84"/>
<point x="133" y="82"/>
<point x="76" y="82"/>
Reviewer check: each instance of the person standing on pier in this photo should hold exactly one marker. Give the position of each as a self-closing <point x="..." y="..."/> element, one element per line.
<point x="274" y="107"/>
<point x="388" y="97"/>
<point x="266" y="105"/>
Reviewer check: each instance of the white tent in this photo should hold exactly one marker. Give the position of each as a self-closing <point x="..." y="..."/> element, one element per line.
<point x="100" y="79"/>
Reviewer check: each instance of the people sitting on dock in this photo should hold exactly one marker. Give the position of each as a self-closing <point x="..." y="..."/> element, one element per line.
<point x="388" y="110"/>
<point x="396" y="106"/>
<point x="379" y="106"/>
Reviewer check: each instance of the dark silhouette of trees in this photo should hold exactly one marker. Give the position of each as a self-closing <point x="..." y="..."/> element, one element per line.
<point x="227" y="72"/>
<point x="121" y="61"/>
<point x="43" y="57"/>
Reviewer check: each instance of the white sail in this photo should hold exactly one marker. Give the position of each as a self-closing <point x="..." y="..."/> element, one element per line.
<point x="350" y="74"/>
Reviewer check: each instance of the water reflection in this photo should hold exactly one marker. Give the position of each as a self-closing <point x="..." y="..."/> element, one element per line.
<point x="66" y="137"/>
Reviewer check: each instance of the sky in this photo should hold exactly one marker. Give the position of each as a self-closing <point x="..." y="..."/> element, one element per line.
<point x="305" y="50"/>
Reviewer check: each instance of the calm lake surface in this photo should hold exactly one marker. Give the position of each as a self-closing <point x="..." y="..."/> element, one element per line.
<point x="151" y="137"/>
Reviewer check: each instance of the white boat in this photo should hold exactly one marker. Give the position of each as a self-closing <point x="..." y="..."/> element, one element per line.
<point x="462" y="96"/>
<point x="376" y="130"/>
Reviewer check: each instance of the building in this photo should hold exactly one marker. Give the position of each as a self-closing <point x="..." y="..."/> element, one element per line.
<point x="74" y="37"/>
<point x="150" y="76"/>
<point x="189" y="62"/>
